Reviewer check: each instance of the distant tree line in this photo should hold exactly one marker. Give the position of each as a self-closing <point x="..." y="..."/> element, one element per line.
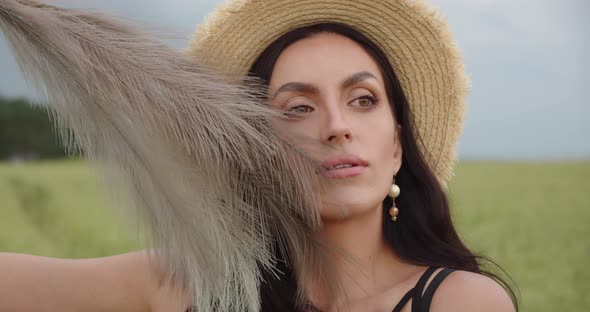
<point x="26" y="131"/>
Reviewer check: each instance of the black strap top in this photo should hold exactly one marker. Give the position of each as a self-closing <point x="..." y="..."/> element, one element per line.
<point x="421" y="299"/>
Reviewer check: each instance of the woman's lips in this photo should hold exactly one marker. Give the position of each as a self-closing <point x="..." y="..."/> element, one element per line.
<point x="344" y="172"/>
<point x="355" y="166"/>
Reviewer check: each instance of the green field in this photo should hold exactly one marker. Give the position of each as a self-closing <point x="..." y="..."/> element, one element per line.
<point x="531" y="218"/>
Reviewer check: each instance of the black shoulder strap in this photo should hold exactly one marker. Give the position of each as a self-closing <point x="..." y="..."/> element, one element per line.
<point x="427" y="298"/>
<point x="421" y="303"/>
<point x="416" y="290"/>
<point x="417" y="295"/>
<point x="404" y="300"/>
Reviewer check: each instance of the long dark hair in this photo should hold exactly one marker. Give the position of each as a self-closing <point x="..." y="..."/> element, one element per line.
<point x="426" y="235"/>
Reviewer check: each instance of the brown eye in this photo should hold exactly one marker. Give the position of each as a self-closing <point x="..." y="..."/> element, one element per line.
<point x="301" y="109"/>
<point x="298" y="111"/>
<point x="366" y="101"/>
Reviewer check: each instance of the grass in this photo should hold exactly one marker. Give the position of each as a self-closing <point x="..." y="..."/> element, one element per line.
<point x="59" y="209"/>
<point x="531" y="218"/>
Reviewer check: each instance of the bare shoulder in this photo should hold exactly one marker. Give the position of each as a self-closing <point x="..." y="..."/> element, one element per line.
<point x="467" y="291"/>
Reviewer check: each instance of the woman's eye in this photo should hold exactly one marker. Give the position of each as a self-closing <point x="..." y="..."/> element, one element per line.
<point x="365" y="101"/>
<point x="299" y="110"/>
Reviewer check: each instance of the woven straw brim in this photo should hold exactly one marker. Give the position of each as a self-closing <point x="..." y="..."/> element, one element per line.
<point x="416" y="39"/>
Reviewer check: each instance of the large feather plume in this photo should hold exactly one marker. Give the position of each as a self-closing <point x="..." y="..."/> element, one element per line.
<point x="195" y="152"/>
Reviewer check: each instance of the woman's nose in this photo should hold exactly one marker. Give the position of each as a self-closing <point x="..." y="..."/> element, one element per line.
<point x="336" y="129"/>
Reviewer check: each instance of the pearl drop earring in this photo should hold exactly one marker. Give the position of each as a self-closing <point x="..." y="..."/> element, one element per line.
<point x="394" y="192"/>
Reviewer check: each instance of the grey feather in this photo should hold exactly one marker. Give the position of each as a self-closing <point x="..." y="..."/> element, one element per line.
<point x="194" y="152"/>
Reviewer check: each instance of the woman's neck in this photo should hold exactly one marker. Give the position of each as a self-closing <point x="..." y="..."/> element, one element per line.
<point x="363" y="263"/>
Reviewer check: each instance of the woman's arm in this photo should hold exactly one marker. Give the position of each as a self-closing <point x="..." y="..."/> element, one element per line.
<point x="118" y="283"/>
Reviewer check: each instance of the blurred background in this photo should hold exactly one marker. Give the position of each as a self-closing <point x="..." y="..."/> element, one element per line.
<point x="521" y="193"/>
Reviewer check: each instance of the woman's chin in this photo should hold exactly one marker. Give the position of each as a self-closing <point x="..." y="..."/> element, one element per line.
<point x="345" y="208"/>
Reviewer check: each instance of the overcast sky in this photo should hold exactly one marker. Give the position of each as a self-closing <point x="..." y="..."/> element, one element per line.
<point x="527" y="60"/>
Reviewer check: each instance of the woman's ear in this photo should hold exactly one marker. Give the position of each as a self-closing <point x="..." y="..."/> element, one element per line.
<point x="397" y="148"/>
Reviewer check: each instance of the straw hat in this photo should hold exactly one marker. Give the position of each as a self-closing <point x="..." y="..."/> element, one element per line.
<point x="416" y="39"/>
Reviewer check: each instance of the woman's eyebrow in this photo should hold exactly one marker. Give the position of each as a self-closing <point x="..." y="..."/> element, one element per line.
<point x="296" y="86"/>
<point x="310" y="88"/>
<point x="356" y="78"/>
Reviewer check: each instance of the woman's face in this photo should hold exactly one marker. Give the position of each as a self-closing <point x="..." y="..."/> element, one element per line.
<point x="338" y="92"/>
